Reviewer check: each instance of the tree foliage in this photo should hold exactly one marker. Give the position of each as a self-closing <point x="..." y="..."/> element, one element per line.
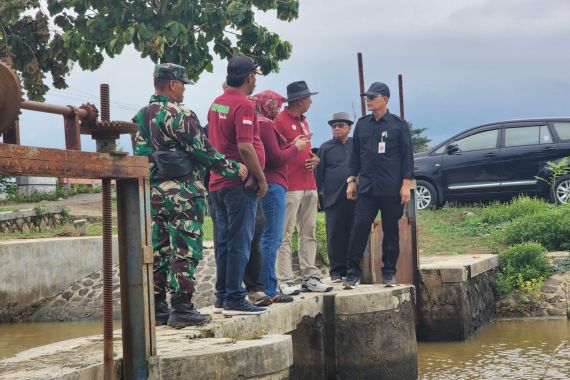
<point x="419" y="142"/>
<point x="37" y="40"/>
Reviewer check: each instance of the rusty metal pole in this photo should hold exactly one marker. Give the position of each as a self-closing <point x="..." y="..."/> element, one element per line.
<point x="108" y="364"/>
<point x="361" y="79"/>
<point x="412" y="219"/>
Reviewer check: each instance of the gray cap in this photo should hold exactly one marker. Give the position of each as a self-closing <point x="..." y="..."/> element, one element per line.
<point x="340" y="116"/>
<point x="377" y="88"/>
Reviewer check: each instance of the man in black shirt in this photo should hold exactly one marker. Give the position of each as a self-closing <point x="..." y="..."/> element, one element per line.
<point x="382" y="158"/>
<point x="331" y="177"/>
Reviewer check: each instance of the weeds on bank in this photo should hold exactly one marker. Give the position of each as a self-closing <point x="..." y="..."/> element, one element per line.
<point x="59" y="193"/>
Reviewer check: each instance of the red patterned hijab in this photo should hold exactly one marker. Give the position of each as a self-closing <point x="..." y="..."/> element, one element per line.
<point x="268" y="103"/>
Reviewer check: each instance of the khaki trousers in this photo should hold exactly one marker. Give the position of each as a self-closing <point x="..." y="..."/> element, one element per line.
<point x="300" y="212"/>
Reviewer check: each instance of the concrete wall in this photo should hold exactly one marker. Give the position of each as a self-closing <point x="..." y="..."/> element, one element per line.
<point x="29" y="185"/>
<point x="456" y="296"/>
<point x="36" y="269"/>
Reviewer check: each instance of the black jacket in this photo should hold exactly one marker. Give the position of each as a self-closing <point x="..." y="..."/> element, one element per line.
<point x="382" y="173"/>
<point x="332" y="171"/>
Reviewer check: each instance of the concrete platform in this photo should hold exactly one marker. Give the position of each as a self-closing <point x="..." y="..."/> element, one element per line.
<point x="341" y="333"/>
<point x="456" y="295"/>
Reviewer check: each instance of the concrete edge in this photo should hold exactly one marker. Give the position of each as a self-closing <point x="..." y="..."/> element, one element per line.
<point x="367" y="299"/>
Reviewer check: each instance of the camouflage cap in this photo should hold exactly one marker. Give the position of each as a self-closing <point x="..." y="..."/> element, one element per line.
<point x="170" y="71"/>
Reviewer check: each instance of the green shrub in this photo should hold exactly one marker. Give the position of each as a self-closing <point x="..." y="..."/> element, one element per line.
<point x="549" y="227"/>
<point x="497" y="213"/>
<point x="520" y="264"/>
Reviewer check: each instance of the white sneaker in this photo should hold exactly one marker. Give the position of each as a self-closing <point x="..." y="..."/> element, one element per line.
<point x="314" y="284"/>
<point x="289" y="288"/>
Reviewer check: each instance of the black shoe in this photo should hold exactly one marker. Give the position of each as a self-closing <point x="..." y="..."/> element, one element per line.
<point x="161" y="309"/>
<point x="389" y="279"/>
<point x="183" y="313"/>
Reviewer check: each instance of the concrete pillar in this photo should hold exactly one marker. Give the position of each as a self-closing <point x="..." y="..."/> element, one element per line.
<point x="375" y="334"/>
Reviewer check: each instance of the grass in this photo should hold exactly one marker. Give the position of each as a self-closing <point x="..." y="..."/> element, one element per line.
<point x="4" y="209"/>
<point x="452" y="231"/>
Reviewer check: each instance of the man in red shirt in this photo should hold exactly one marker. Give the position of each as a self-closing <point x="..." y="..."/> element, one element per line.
<point x="233" y="130"/>
<point x="301" y="198"/>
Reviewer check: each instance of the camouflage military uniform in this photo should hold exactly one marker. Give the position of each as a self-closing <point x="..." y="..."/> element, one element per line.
<point x="178" y="205"/>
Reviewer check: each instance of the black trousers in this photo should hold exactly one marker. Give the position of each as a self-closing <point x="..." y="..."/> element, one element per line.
<point x="252" y="275"/>
<point x="367" y="206"/>
<point x="339" y="218"/>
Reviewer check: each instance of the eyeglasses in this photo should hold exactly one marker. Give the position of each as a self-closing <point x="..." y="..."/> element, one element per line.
<point x="338" y="125"/>
<point x="371" y="97"/>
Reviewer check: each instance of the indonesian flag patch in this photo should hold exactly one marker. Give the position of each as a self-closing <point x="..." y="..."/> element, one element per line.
<point x="247" y="120"/>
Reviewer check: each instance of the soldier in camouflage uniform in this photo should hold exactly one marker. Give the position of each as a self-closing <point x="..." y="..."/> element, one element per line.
<point x="177" y="204"/>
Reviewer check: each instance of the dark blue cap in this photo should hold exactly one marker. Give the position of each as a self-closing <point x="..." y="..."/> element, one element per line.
<point x="377" y="88"/>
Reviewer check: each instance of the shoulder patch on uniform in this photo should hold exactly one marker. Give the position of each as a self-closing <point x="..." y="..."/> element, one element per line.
<point x="247" y="120"/>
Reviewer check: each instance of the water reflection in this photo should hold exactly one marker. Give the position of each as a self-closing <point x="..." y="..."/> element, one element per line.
<point x="503" y="349"/>
<point x="18" y="337"/>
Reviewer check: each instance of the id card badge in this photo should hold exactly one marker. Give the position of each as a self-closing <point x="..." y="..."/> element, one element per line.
<point x="381" y="147"/>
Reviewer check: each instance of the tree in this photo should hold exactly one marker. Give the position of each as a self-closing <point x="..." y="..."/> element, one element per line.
<point x="419" y="142"/>
<point x="37" y="41"/>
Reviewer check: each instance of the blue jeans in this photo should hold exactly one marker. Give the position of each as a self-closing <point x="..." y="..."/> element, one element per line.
<point x="235" y="218"/>
<point x="274" y="209"/>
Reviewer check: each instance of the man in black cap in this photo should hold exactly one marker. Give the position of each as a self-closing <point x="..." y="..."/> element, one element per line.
<point x="382" y="158"/>
<point x="331" y="177"/>
<point x="301" y="198"/>
<point x="233" y="130"/>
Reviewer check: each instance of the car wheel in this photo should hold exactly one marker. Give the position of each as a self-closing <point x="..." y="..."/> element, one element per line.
<point x="426" y="195"/>
<point x="562" y="190"/>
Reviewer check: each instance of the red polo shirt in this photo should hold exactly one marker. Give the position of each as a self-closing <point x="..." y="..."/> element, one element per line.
<point x="291" y="126"/>
<point x="232" y="120"/>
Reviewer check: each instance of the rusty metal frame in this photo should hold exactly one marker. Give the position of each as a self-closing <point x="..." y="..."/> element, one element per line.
<point x="133" y="209"/>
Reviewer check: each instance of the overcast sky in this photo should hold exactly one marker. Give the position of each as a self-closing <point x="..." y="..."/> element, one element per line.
<point x="464" y="63"/>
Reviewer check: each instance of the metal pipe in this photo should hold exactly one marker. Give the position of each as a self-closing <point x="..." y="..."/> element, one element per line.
<point x="361" y="78"/>
<point x="108" y="365"/>
<point x="52" y="108"/>
<point x="401" y="88"/>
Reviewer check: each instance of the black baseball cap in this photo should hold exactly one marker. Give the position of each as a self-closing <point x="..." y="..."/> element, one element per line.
<point x="240" y="65"/>
<point x="377" y="88"/>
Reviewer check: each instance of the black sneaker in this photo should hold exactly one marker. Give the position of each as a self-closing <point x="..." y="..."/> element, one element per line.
<point x="242" y="307"/>
<point x="389" y="280"/>
<point x="337" y="278"/>
<point x="351" y="282"/>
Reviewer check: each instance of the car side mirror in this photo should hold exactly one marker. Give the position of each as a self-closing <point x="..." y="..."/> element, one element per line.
<point x="452" y="148"/>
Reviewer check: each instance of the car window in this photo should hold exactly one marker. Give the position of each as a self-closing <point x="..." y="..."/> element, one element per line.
<point x="533" y="135"/>
<point x="478" y="141"/>
<point x="563" y="130"/>
<point x="439" y="150"/>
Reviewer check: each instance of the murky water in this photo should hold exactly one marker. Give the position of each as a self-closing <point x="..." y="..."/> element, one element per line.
<point x="501" y="350"/>
<point x="18" y="337"/>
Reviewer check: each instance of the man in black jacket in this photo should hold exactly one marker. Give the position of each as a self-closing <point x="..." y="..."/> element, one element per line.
<point x="382" y="158"/>
<point x="331" y="177"/>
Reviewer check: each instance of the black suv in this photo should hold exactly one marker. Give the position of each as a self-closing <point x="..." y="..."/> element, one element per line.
<point x="494" y="161"/>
